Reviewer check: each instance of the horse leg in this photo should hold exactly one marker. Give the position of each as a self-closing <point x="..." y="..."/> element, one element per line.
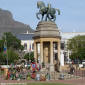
<point x="54" y="17"/>
<point x="42" y="17"/>
<point x="49" y="17"/>
<point x="37" y="15"/>
<point x="46" y="17"/>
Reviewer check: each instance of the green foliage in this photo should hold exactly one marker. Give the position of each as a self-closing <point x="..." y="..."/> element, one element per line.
<point x="11" y="55"/>
<point x="43" y="65"/>
<point x="77" y="46"/>
<point x="13" y="45"/>
<point x="29" y="56"/>
<point x="12" y="41"/>
<point x="2" y="58"/>
<point x="1" y="45"/>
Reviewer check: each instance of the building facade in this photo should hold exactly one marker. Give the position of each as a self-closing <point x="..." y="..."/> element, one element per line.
<point x="27" y="41"/>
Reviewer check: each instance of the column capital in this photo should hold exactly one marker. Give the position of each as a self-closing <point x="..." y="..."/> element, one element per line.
<point x="51" y="41"/>
<point x="41" y="41"/>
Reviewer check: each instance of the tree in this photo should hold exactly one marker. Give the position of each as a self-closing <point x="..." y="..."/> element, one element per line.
<point x="12" y="41"/>
<point x="29" y="56"/>
<point x="11" y="54"/>
<point x="13" y="45"/>
<point x="77" y="47"/>
<point x="1" y="45"/>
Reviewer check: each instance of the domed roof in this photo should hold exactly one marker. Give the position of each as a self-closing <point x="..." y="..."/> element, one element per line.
<point x="47" y="29"/>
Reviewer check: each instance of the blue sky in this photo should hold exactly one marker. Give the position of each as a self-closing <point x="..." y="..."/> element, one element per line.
<point x="72" y="16"/>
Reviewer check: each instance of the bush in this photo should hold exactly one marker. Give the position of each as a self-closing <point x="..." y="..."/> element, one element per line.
<point x="11" y="54"/>
<point x="29" y="56"/>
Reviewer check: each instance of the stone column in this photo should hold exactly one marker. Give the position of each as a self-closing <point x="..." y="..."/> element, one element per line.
<point x="51" y="57"/>
<point x="41" y="52"/>
<point x="35" y="51"/>
<point x="68" y="54"/>
<point x="59" y="55"/>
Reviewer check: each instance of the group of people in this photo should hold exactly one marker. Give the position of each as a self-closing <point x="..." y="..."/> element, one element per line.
<point x="18" y="72"/>
<point x="29" y="72"/>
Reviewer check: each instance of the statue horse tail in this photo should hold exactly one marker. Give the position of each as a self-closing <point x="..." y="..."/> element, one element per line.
<point x="58" y="11"/>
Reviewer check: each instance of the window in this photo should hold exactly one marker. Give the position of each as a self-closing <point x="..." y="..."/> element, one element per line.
<point x="55" y="55"/>
<point x="32" y="46"/>
<point x="25" y="46"/>
<point x="62" y="46"/>
<point x="55" y="46"/>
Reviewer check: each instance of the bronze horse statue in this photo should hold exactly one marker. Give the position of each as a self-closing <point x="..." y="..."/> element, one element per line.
<point x="48" y="12"/>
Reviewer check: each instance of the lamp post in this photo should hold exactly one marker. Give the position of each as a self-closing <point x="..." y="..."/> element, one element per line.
<point x="5" y="49"/>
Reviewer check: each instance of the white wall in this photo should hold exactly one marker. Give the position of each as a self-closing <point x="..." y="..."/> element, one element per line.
<point x="62" y="59"/>
<point x="29" y="42"/>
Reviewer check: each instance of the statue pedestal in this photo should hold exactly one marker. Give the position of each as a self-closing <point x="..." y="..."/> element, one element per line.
<point x="47" y="35"/>
<point x="51" y="68"/>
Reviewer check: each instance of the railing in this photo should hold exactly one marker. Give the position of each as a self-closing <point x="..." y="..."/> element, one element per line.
<point x="65" y="74"/>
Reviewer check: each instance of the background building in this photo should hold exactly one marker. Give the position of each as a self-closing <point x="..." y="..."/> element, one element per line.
<point x="27" y="41"/>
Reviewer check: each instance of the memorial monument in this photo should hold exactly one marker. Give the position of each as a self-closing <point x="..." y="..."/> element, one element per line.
<point x="46" y="36"/>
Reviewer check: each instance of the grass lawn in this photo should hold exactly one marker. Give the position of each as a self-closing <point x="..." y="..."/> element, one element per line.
<point x="40" y="84"/>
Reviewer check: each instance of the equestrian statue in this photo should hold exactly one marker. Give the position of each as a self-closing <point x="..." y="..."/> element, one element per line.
<point x="47" y="13"/>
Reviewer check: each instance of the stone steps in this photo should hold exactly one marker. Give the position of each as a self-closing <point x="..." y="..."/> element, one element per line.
<point x="65" y="76"/>
<point x="56" y="75"/>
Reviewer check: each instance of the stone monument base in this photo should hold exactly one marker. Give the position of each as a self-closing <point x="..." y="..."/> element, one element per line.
<point x="51" y="68"/>
<point x="47" y="35"/>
